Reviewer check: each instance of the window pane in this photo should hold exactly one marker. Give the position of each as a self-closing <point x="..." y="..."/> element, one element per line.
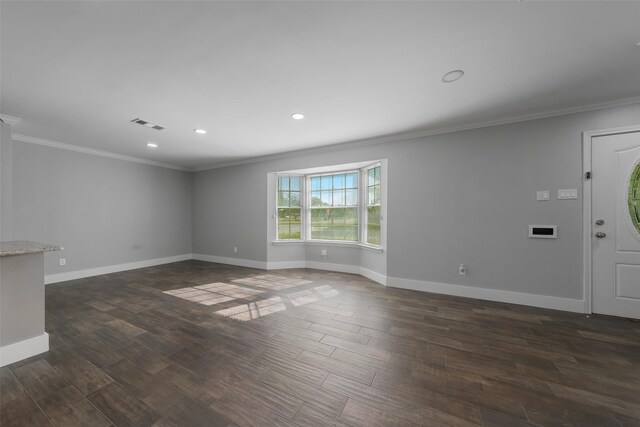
<point x="370" y="196"/>
<point x="294" y="198"/>
<point x="326" y="198"/>
<point x="370" y="177"/>
<point x="283" y="183"/>
<point x="288" y="223"/>
<point x="283" y="198"/>
<point x="326" y="182"/>
<point x="373" y="225"/>
<point x="338" y="181"/>
<point x="377" y="174"/>
<point x="321" y="224"/>
<point x="294" y="183"/>
<point x="376" y="193"/>
<point x="315" y="199"/>
<point x="351" y="198"/>
<point x="352" y="180"/>
<point x="338" y="197"/>
<point x="315" y="183"/>
<point x="334" y="224"/>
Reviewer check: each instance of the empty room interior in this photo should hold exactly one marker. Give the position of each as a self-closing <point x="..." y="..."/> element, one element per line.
<point x="310" y="213"/>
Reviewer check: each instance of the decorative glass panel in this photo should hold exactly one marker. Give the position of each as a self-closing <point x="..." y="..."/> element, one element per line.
<point x="633" y="198"/>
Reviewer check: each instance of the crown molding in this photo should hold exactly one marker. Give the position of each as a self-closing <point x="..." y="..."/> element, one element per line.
<point x="93" y="152"/>
<point x="9" y="119"/>
<point x="430" y="132"/>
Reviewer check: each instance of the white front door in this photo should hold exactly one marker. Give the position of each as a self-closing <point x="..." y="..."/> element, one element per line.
<point x="615" y="228"/>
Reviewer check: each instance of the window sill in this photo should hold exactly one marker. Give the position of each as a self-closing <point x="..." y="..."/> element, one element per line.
<point x="328" y="243"/>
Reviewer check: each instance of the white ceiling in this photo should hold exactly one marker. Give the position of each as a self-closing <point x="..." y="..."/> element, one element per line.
<point x="78" y="72"/>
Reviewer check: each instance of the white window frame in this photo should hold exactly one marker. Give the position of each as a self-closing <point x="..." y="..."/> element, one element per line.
<point x="305" y="206"/>
<point x="364" y="194"/>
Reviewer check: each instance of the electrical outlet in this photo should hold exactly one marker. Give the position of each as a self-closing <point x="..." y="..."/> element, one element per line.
<point x="462" y="270"/>
<point x="63" y="261"/>
<point x="235" y="249"/>
<point x="323" y="253"/>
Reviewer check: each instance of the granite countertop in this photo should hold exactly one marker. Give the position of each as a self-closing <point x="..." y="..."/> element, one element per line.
<point x="23" y="247"/>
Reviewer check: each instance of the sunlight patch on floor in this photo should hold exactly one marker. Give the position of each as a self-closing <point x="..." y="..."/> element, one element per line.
<point x="214" y="293"/>
<point x="253" y="310"/>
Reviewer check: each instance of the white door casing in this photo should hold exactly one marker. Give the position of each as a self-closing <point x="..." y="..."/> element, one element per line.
<point x="615" y="245"/>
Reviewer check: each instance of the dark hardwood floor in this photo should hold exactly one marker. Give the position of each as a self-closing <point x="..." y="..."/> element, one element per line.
<point x="313" y="348"/>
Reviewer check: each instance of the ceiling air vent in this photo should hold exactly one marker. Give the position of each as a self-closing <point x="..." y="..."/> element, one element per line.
<point x="147" y="124"/>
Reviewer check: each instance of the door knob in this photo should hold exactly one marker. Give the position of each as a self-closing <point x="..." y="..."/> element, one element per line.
<point x="601" y="235"/>
<point x="600" y="222"/>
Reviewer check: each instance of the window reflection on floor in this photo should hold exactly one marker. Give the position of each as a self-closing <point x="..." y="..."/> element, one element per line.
<point x="217" y="293"/>
<point x="272" y="281"/>
<point x="253" y="310"/>
<point x="268" y="306"/>
<point x="214" y="293"/>
<point x="302" y="297"/>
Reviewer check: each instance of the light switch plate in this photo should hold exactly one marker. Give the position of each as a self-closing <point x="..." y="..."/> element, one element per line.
<point x="567" y="194"/>
<point x="542" y="195"/>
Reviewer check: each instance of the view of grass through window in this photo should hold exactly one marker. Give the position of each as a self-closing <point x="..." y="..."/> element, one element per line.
<point x="289" y="207"/>
<point x="373" y="205"/>
<point x="334" y="207"/>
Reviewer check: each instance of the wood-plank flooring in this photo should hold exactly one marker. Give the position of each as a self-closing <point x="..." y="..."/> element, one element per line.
<point x="326" y="349"/>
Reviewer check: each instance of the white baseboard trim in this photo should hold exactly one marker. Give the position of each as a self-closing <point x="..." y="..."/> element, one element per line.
<point x="374" y="275"/>
<point x="284" y="265"/>
<point x="81" y="274"/>
<point x="498" y="295"/>
<point x="340" y="268"/>
<point x="23" y="349"/>
<point x="231" y="261"/>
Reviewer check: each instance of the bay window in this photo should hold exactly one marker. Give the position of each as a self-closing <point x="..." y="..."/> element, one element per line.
<point x="339" y="206"/>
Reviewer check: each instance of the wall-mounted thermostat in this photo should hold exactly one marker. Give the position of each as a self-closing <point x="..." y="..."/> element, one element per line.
<point x="543" y="231"/>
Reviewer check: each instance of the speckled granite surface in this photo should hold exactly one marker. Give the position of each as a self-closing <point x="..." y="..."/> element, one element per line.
<point x="23" y="247"/>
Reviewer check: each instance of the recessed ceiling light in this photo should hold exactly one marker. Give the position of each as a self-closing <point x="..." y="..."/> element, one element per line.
<point x="297" y="116"/>
<point x="152" y="145"/>
<point x="452" y="76"/>
<point x="200" y="131"/>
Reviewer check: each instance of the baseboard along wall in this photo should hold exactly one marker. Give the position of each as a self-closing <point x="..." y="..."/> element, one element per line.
<point x="498" y="295"/>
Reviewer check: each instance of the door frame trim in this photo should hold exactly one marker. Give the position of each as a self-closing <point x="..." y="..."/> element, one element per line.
<point x="587" y="145"/>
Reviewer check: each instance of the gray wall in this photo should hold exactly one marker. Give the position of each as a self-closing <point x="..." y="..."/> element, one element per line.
<point x="103" y="211"/>
<point x="6" y="156"/>
<point x="464" y="197"/>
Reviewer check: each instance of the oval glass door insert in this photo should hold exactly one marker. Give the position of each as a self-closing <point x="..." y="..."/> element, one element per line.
<point x="633" y="198"/>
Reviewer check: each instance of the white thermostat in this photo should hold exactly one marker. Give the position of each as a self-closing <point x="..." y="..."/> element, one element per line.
<point x="543" y="231"/>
